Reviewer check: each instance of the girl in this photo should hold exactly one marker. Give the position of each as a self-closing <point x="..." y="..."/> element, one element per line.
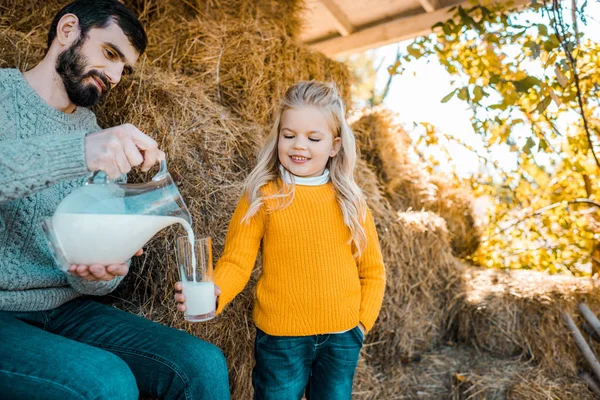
<point x="323" y="277"/>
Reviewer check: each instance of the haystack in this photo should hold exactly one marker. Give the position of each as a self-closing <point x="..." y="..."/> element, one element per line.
<point x="422" y="278"/>
<point x="519" y="313"/>
<point x="387" y="148"/>
<point x="244" y="52"/>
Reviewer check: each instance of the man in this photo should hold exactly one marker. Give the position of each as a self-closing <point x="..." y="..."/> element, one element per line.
<point x="55" y="343"/>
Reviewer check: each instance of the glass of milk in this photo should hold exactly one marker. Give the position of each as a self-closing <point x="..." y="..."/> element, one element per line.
<point x="194" y="258"/>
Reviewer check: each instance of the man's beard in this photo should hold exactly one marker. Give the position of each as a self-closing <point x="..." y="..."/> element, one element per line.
<point x="70" y="66"/>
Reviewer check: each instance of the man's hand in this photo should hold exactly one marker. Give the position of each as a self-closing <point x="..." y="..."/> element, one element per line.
<point x="98" y="272"/>
<point x="180" y="298"/>
<point x="116" y="150"/>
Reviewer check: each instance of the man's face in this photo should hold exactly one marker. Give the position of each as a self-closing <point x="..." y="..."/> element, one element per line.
<point x="95" y="63"/>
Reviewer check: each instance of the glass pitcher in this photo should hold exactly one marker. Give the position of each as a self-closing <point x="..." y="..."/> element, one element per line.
<point x="106" y="223"/>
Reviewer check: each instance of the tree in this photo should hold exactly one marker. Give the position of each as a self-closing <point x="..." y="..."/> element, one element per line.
<point x="531" y="79"/>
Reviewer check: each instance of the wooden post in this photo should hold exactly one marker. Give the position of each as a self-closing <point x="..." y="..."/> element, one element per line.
<point x="585" y="349"/>
<point x="591" y="382"/>
<point x="590" y="317"/>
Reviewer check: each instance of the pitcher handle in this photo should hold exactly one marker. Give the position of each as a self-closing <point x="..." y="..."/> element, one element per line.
<point x="101" y="177"/>
<point x="98" y="177"/>
<point x="162" y="172"/>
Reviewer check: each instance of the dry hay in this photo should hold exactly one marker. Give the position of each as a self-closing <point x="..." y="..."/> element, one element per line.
<point x="367" y="382"/>
<point x="422" y="283"/>
<point x="387" y="148"/>
<point x="448" y="372"/>
<point x="518" y="313"/>
<point x="244" y="52"/>
<point x="462" y="373"/>
<point x="536" y="385"/>
<point x="456" y="206"/>
<point x="18" y="50"/>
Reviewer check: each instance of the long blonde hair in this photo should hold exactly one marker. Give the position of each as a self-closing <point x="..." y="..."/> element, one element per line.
<point x="325" y="97"/>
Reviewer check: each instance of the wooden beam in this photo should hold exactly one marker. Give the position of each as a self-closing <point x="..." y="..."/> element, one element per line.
<point x="585" y="348"/>
<point x="430" y="5"/>
<point x="389" y="32"/>
<point x="342" y="24"/>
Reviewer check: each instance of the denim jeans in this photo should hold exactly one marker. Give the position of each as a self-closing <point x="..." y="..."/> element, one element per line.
<point x="320" y="366"/>
<point x="88" y="350"/>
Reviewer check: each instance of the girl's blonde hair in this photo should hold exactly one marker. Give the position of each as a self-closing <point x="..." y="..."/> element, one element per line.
<point x="325" y="97"/>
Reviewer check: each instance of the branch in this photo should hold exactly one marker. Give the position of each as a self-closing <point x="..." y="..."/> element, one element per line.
<point x="544" y="209"/>
<point x="557" y="22"/>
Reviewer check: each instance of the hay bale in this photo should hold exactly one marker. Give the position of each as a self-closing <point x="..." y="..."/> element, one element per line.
<point x="367" y="384"/>
<point x="30" y="16"/>
<point x="457" y="207"/>
<point x="18" y="50"/>
<point x="422" y="284"/>
<point x="518" y="313"/>
<point x="452" y="372"/>
<point x="244" y="52"/>
<point x="536" y="385"/>
<point x="386" y="147"/>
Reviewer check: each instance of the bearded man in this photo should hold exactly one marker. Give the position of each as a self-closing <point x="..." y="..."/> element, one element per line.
<point x="56" y="342"/>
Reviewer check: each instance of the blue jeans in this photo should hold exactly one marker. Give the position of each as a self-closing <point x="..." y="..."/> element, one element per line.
<point x="87" y="350"/>
<point x="320" y="366"/>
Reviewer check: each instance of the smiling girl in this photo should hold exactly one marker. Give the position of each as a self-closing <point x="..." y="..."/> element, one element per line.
<point x="322" y="280"/>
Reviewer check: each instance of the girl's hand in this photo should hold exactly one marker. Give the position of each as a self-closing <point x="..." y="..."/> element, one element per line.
<point x="362" y="328"/>
<point x="180" y="298"/>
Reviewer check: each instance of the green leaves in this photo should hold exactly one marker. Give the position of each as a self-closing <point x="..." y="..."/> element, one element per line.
<point x="449" y="96"/>
<point x="523" y="85"/>
<point x="528" y="145"/>
<point x="542" y="105"/>
<point x="463" y="93"/>
<point x="478" y="94"/>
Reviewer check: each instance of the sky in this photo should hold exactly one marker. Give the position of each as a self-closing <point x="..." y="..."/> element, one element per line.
<point x="416" y="97"/>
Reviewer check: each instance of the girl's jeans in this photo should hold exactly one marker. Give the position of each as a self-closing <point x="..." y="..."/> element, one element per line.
<point x="87" y="350"/>
<point x="320" y="366"/>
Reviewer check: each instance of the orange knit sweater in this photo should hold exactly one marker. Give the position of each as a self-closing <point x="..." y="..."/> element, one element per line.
<point x="310" y="282"/>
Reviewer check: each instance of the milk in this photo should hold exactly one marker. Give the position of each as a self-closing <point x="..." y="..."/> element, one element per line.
<point x="109" y="238"/>
<point x="199" y="300"/>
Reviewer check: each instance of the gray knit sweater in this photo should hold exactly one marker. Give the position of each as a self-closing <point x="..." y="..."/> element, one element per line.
<point x="42" y="159"/>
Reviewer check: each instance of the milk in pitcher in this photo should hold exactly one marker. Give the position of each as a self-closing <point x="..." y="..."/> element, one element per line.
<point x="108" y="238"/>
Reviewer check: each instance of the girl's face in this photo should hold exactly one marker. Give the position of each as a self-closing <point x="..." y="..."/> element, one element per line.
<point x="306" y="141"/>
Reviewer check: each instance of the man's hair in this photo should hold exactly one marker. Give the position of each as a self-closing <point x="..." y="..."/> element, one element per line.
<point x="99" y="14"/>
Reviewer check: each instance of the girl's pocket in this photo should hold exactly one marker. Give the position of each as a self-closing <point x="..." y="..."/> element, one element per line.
<point x="359" y="334"/>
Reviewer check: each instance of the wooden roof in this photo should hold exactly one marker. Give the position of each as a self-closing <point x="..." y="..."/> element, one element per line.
<point x="338" y="27"/>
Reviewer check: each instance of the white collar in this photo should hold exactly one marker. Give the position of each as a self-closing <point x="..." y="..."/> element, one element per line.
<point x="299" y="180"/>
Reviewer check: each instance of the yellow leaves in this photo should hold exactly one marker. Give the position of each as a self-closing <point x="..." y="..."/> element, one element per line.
<point x="554" y="96"/>
<point x="520" y="88"/>
<point x="560" y="76"/>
